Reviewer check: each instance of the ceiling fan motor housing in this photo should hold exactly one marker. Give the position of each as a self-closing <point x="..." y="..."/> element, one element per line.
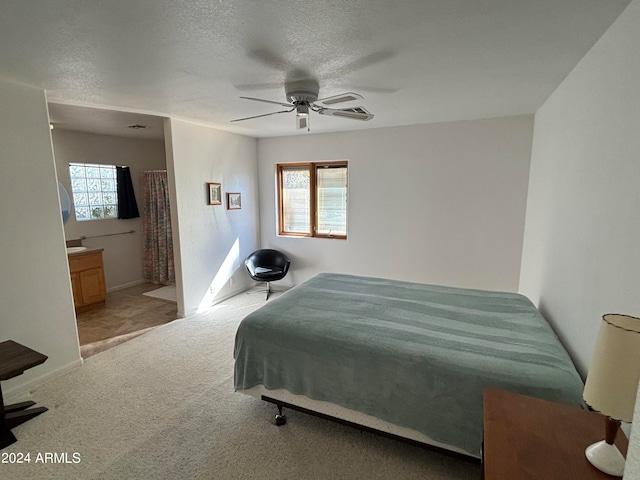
<point x="302" y="91"/>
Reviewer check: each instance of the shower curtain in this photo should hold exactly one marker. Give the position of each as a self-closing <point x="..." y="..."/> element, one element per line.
<point x="156" y="225"/>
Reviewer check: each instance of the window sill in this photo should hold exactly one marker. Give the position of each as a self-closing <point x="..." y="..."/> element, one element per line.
<point x="293" y="235"/>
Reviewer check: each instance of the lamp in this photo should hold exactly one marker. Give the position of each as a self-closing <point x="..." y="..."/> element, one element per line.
<point x="612" y="385"/>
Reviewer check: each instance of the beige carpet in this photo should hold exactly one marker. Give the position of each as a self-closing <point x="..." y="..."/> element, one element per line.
<point x="162" y="406"/>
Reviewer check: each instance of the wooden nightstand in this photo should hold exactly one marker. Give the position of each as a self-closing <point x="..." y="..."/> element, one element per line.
<point x="529" y="438"/>
<point x="14" y="360"/>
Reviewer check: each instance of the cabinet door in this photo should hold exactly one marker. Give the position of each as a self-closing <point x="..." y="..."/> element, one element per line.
<point x="92" y="284"/>
<point x="76" y="286"/>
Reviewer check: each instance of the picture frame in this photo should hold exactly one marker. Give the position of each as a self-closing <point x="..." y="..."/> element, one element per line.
<point x="215" y="193"/>
<point x="234" y="201"/>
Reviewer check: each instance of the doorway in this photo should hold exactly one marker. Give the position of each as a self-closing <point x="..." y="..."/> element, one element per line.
<point x="105" y="137"/>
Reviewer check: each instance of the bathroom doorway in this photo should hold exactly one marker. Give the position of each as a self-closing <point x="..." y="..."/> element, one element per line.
<point x="105" y="137"/>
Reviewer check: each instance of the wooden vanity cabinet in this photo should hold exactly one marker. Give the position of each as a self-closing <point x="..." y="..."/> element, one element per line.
<point x="87" y="280"/>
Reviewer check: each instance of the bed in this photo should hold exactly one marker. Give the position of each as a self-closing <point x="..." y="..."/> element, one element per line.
<point x="405" y="358"/>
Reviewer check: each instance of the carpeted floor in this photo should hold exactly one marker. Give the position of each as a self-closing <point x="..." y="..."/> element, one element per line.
<point x="162" y="406"/>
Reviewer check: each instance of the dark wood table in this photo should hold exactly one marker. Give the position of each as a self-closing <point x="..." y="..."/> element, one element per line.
<point x="14" y="360"/>
<point x="529" y="438"/>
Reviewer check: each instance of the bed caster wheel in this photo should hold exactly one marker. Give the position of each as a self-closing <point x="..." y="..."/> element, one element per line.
<point x="279" y="420"/>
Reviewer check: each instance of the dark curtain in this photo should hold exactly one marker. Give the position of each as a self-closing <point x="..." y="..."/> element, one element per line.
<point x="127" y="206"/>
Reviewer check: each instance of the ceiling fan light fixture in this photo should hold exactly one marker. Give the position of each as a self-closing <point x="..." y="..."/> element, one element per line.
<point x="302" y="117"/>
<point x="302" y="122"/>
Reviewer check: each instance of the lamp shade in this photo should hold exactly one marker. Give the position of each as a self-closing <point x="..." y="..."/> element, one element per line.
<point x="612" y="381"/>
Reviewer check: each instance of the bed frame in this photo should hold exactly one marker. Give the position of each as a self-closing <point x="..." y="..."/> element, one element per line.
<point x="280" y="419"/>
<point x="365" y="423"/>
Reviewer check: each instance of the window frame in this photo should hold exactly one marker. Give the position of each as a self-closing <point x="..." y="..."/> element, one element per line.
<point x="313" y="194"/>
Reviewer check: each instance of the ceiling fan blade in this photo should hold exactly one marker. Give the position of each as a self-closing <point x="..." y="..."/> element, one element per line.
<point x="263" y="115"/>
<point x="248" y="87"/>
<point x="377" y="89"/>
<point x="364" y="62"/>
<point x="357" y="113"/>
<point x="343" y="97"/>
<point x="269" y="59"/>
<point x="268" y="101"/>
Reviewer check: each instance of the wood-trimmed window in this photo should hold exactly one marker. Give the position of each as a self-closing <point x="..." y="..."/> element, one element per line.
<point x="312" y="199"/>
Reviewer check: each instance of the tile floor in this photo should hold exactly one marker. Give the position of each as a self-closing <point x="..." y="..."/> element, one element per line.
<point x="127" y="313"/>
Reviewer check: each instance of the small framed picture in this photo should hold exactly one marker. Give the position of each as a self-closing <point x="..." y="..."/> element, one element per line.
<point x="215" y="193"/>
<point x="233" y="201"/>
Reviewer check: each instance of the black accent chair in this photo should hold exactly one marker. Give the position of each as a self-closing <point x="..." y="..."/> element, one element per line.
<point x="267" y="265"/>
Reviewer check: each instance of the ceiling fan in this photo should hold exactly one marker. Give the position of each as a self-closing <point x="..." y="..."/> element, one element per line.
<point x="302" y="97"/>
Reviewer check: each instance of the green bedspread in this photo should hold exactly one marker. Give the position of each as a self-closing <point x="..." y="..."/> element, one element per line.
<point x="414" y="355"/>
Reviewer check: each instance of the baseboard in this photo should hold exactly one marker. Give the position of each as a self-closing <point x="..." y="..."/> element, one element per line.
<point x="23" y="387"/>
<point x="216" y="301"/>
<point x="231" y="294"/>
<point x="126" y="285"/>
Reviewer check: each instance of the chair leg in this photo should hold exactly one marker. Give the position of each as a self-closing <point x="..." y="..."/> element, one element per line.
<point x="268" y="290"/>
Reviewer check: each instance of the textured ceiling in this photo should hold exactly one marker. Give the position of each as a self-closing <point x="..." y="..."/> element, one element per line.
<point x="106" y="122"/>
<point x="414" y="61"/>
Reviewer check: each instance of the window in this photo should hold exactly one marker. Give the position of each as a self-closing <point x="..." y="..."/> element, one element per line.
<point x="95" y="193"/>
<point x="312" y="199"/>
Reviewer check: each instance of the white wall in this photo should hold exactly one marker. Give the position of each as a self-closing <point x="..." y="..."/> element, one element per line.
<point x="36" y="305"/>
<point x="439" y="203"/>
<point x="581" y="256"/>
<point x="210" y="242"/>
<point x="123" y="254"/>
